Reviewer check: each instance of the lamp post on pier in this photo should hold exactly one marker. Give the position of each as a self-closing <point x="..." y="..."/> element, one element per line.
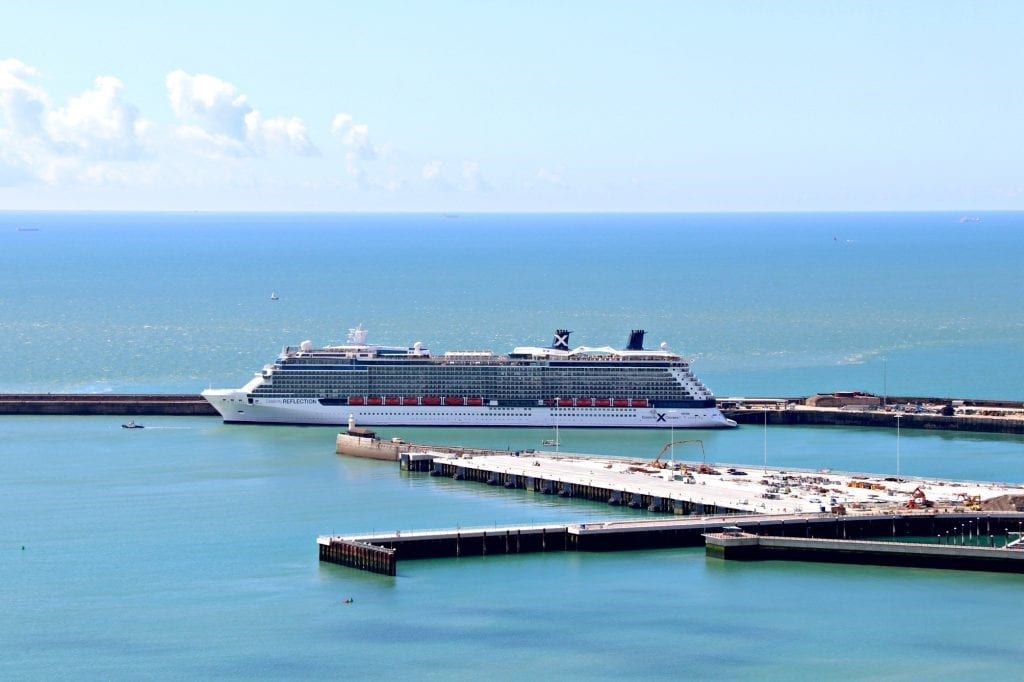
<point x="672" y="414"/>
<point x="885" y="388"/>
<point x="765" y="440"/>
<point x="897" y="447"/>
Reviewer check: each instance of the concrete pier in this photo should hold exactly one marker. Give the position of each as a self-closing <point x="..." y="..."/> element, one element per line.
<point x="731" y="537"/>
<point x="703" y="489"/>
<point x="732" y="544"/>
<point x="432" y="544"/>
<point x="742" y="503"/>
<point x="361" y="555"/>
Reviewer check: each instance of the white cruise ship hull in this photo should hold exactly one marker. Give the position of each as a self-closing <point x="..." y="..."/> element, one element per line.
<point x="585" y="386"/>
<point x="237" y="406"/>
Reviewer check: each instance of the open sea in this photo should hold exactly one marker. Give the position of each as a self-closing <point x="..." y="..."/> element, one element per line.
<point x="188" y="549"/>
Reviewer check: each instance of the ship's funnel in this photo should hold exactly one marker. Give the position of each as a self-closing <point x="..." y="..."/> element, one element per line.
<point x="561" y="340"/>
<point x="636" y="340"/>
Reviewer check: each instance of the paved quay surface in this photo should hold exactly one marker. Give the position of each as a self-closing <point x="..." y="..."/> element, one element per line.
<point x="745" y="488"/>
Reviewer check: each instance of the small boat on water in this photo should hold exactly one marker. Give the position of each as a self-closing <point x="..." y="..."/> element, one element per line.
<point x="273" y="296"/>
<point x="132" y="425"/>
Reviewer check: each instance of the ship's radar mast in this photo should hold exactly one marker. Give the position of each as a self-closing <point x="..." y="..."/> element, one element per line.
<point x="357" y="335"/>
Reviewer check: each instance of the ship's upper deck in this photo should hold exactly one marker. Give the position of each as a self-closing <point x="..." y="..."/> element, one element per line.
<point x="357" y="348"/>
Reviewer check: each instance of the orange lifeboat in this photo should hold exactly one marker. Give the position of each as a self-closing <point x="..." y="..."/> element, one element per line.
<point x="431" y="400"/>
<point x="602" y="402"/>
<point x="475" y="401"/>
<point x="355" y="400"/>
<point x="392" y="400"/>
<point x="455" y="400"/>
<point x="584" y="402"/>
<point x="374" y="400"/>
<point x="410" y="400"/>
<point x="638" y="402"/>
<point x="620" y="402"/>
<point x="565" y="402"/>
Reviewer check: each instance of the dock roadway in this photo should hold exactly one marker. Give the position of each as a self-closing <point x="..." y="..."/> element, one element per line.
<point x="709" y="489"/>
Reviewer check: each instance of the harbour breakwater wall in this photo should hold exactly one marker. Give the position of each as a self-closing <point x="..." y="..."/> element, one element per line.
<point x="887" y="420"/>
<point x="123" y="404"/>
<point x="774" y="411"/>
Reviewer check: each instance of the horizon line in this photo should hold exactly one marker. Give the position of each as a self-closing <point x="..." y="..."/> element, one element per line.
<point x="457" y="213"/>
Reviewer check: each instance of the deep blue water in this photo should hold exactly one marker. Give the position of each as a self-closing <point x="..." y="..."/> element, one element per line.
<point x="777" y="304"/>
<point x="187" y="549"/>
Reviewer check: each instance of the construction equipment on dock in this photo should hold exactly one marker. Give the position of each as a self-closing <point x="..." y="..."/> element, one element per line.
<point x="918" y="500"/>
<point x="658" y="464"/>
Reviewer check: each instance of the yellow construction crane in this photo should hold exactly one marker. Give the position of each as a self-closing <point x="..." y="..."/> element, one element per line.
<point x="658" y="464"/>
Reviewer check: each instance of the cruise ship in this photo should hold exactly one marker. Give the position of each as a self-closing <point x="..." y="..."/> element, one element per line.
<point x="546" y="386"/>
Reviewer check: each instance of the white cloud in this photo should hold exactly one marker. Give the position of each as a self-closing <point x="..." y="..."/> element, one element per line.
<point x="546" y="176"/>
<point x="13" y="167"/>
<point x="472" y="178"/>
<point x="216" y="140"/>
<point x="98" y="125"/>
<point x="356" y="138"/>
<point x="340" y="123"/>
<point x="279" y="135"/>
<point x="465" y="177"/>
<point x="432" y="171"/>
<point x="218" y="121"/>
<point x="23" y="104"/>
<point x="68" y="143"/>
<point x="207" y="103"/>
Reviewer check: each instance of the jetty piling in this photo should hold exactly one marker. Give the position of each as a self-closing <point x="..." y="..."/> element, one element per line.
<point x="362" y="555"/>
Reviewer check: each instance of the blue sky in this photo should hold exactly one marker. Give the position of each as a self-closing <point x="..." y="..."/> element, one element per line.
<point x="511" y="106"/>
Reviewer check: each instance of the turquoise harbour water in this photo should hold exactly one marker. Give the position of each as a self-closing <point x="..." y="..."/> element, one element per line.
<point x="188" y="549"/>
